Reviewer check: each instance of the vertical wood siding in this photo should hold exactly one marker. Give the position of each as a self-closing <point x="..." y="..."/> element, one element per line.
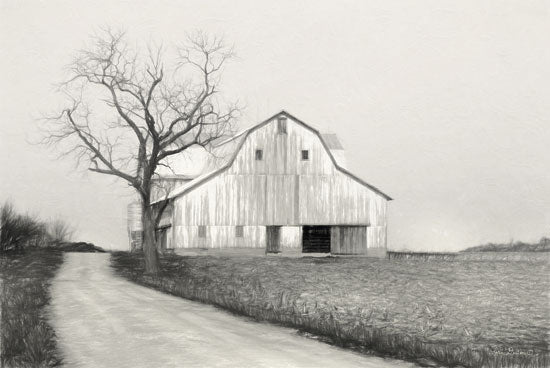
<point x="348" y="240"/>
<point x="218" y="237"/>
<point x="282" y="152"/>
<point x="376" y="237"/>
<point x="282" y="205"/>
<point x="291" y="237"/>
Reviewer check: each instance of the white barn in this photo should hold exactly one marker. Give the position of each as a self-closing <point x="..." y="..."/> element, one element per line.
<point x="280" y="186"/>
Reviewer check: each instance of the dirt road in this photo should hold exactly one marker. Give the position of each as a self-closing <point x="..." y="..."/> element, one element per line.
<point x="102" y="320"/>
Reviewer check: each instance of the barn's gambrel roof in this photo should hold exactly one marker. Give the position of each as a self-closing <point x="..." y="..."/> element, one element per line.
<point x="244" y="134"/>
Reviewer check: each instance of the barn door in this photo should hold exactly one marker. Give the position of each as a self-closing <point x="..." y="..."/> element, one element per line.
<point x="273" y="239"/>
<point x="316" y="239"/>
<point x="162" y="238"/>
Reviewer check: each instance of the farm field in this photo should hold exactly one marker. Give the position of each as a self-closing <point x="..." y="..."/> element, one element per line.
<point x="27" y="339"/>
<point x="454" y="313"/>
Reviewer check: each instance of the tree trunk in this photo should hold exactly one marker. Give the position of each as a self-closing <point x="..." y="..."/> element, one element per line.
<point x="149" y="240"/>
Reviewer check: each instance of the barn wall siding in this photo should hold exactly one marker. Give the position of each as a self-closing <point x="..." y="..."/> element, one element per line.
<point x="224" y="237"/>
<point x="280" y="200"/>
<point x="282" y="152"/>
<point x="218" y="237"/>
<point x="282" y="205"/>
<point x="224" y="200"/>
<point x="349" y="240"/>
<point x="291" y="238"/>
<point x="376" y="237"/>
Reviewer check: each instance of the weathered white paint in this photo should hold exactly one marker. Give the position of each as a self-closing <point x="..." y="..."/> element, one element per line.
<point x="376" y="236"/>
<point x="218" y="237"/>
<point x="291" y="238"/>
<point x="282" y="152"/>
<point x="348" y="239"/>
<point x="340" y="157"/>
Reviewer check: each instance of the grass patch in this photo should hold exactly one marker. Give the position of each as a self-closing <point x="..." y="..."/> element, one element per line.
<point x="26" y="338"/>
<point x="454" y="313"/>
<point x="488" y="256"/>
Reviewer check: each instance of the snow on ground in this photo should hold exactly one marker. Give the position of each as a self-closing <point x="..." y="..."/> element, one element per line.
<point x="102" y="320"/>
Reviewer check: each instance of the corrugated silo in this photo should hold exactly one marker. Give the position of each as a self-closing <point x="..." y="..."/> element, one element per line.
<point x="135" y="228"/>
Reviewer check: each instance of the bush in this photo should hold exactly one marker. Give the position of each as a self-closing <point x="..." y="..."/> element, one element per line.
<point x="80" y="247"/>
<point x="26" y="338"/>
<point x="59" y="231"/>
<point x="543" y="245"/>
<point x="21" y="231"/>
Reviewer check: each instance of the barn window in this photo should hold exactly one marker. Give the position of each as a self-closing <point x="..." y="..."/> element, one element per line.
<point x="305" y="155"/>
<point x="281" y="125"/>
<point x="239" y="231"/>
<point x="259" y="155"/>
<point x="202" y="231"/>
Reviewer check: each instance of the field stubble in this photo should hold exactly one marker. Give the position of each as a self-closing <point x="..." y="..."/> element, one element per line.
<point x="456" y="313"/>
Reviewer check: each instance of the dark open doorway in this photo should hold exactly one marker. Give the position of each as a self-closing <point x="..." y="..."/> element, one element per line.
<point x="316" y="239"/>
<point x="273" y="239"/>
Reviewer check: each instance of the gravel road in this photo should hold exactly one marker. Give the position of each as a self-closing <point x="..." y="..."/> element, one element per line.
<point x="102" y="320"/>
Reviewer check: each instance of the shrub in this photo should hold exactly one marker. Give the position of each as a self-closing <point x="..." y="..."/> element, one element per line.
<point x="26" y="338"/>
<point x="59" y="231"/>
<point x="19" y="231"/>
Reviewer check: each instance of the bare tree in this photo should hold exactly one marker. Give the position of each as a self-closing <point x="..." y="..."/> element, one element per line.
<point x="59" y="231"/>
<point x="143" y="113"/>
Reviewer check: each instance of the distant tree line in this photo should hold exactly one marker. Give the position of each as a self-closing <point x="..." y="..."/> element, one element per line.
<point x="543" y="245"/>
<point x="19" y="231"/>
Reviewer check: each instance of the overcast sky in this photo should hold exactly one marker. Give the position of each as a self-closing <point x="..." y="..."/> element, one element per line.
<point x="444" y="105"/>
